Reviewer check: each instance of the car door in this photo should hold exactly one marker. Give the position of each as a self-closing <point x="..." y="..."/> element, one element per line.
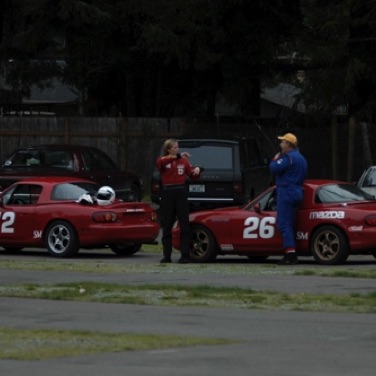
<point x="255" y="228"/>
<point x="17" y="213"/>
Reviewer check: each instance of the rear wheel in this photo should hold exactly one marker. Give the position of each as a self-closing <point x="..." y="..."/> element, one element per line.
<point x="125" y="249"/>
<point x="329" y="246"/>
<point x="203" y="247"/>
<point x="61" y="239"/>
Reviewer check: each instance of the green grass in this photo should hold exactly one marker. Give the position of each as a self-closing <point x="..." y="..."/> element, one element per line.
<point x="23" y="344"/>
<point x="127" y="266"/>
<point x="203" y="296"/>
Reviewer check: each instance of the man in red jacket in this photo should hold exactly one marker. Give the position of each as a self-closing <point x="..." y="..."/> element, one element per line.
<point x="174" y="168"/>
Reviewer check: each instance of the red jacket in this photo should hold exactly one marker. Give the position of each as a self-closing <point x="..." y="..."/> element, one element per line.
<point x="174" y="170"/>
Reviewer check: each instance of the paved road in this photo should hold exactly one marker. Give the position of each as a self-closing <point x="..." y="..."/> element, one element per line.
<point x="269" y="342"/>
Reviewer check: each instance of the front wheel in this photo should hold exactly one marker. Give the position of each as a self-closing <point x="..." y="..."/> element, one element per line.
<point x="329" y="246"/>
<point x="61" y="239"/>
<point x="125" y="249"/>
<point x="203" y="247"/>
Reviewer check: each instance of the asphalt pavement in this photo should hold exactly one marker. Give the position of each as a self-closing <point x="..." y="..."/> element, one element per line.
<point x="266" y="342"/>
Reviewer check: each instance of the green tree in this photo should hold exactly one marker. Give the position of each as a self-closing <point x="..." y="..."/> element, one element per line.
<point x="337" y="42"/>
<point x="149" y="57"/>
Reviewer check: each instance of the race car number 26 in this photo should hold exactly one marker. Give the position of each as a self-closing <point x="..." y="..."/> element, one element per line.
<point x="7" y="220"/>
<point x="256" y="227"/>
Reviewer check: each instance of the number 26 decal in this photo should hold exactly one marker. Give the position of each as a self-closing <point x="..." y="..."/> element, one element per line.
<point x="254" y="228"/>
<point x="7" y="221"/>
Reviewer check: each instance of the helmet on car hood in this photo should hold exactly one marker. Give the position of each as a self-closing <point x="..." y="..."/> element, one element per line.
<point x="105" y="195"/>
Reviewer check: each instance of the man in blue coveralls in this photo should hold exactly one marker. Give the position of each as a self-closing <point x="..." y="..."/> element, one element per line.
<point x="290" y="169"/>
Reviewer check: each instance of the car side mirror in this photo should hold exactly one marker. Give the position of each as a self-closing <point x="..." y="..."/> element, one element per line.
<point x="257" y="208"/>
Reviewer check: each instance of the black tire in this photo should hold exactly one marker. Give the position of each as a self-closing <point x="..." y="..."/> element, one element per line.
<point x="373" y="253"/>
<point x="203" y="247"/>
<point x="125" y="249"/>
<point x="134" y="195"/>
<point x="329" y="246"/>
<point x="61" y="239"/>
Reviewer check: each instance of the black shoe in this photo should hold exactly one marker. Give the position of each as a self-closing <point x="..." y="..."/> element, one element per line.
<point x="165" y="260"/>
<point x="289" y="259"/>
<point x="183" y="260"/>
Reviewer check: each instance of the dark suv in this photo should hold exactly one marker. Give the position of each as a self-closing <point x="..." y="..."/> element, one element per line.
<point x="234" y="172"/>
<point x="71" y="160"/>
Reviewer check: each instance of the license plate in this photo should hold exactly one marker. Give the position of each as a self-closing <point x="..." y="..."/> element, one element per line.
<point x="197" y="188"/>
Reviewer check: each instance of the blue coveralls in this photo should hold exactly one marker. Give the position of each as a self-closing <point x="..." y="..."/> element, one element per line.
<point x="289" y="170"/>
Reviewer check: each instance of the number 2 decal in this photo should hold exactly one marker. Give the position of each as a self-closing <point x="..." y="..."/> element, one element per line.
<point x="7" y="221"/>
<point x="254" y="228"/>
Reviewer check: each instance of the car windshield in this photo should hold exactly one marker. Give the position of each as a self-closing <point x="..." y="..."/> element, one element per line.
<point x="336" y="193"/>
<point x="41" y="158"/>
<point x="72" y="191"/>
<point x="370" y="178"/>
<point x="210" y="155"/>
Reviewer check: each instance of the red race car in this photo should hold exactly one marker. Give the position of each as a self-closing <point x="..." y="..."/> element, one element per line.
<point x="65" y="214"/>
<point x="336" y="219"/>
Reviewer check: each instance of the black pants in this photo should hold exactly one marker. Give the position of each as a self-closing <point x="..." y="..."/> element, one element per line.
<point x="174" y="205"/>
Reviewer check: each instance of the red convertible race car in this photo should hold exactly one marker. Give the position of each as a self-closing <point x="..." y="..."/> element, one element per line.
<point x="336" y="219"/>
<point x="65" y="214"/>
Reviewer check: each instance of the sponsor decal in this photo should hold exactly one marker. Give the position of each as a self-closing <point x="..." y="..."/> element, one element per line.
<point x="137" y="210"/>
<point x="355" y="228"/>
<point x="227" y="247"/>
<point x="327" y="215"/>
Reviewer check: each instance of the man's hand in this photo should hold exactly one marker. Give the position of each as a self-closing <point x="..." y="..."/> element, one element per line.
<point x="277" y="156"/>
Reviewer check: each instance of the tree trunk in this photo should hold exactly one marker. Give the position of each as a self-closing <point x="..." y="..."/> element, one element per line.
<point x="367" y="154"/>
<point x="351" y="146"/>
<point x="334" y="148"/>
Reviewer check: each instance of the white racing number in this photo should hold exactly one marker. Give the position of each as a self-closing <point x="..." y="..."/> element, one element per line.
<point x="255" y="228"/>
<point x="7" y="221"/>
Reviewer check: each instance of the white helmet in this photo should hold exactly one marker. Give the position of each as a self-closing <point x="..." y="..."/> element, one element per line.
<point x="86" y="199"/>
<point x="105" y="195"/>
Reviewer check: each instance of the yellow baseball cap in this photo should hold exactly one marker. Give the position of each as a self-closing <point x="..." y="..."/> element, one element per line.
<point x="289" y="137"/>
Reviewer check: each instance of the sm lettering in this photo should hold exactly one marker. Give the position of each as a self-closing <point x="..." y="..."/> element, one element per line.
<point x="37" y="234"/>
<point x="302" y="235"/>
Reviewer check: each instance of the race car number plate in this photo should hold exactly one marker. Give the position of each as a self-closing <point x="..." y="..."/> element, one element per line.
<point x="197" y="188"/>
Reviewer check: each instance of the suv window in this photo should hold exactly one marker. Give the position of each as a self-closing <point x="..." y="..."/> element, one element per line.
<point x="95" y="161"/>
<point x="41" y="158"/>
<point x="209" y="156"/>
